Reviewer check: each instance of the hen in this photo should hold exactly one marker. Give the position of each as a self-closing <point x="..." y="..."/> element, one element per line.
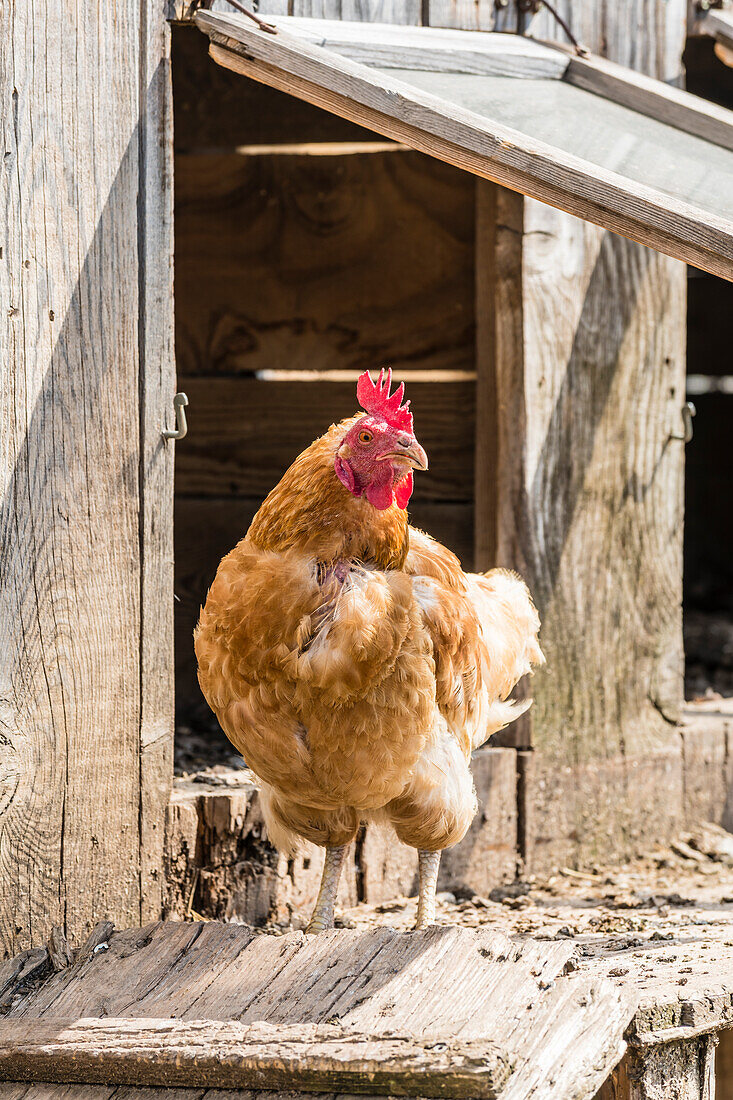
<point x="351" y="660"/>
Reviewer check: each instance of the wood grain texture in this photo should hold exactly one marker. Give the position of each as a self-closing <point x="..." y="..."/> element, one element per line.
<point x="598" y="537"/>
<point x="475" y="143"/>
<point x="644" y="35"/>
<point x="70" y="461"/>
<point x="157" y="386"/>
<point x="589" y="490"/>
<point x="469" y="15"/>
<point x="685" y="1070"/>
<point x="707" y="746"/>
<point x="435" y="49"/>
<point x="447" y="992"/>
<point x="375" y="11"/>
<point x="245" y="433"/>
<point x="226" y="1055"/>
<point x="328" y="262"/>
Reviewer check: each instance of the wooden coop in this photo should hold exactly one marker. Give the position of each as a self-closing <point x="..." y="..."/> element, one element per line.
<point x="196" y="204"/>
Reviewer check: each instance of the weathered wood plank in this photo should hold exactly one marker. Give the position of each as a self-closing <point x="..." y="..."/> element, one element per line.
<point x="470" y="15"/>
<point x="229" y="1054"/>
<point x="707" y="741"/>
<point x="475" y="143"/>
<point x="133" y="965"/>
<point x="599" y="325"/>
<point x="684" y="1070"/>
<point x="651" y="97"/>
<point x="377" y="11"/>
<point x="387" y="46"/>
<point x="317" y="263"/>
<point x="245" y="433"/>
<point x="157" y="386"/>
<point x="607" y="809"/>
<point x="70" y="468"/>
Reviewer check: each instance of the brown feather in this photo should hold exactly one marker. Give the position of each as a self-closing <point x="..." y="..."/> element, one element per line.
<point x="355" y="665"/>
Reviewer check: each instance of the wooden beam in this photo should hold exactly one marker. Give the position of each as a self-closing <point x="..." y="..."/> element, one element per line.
<point x="474" y="143"/>
<point x="652" y="98"/>
<point x="227" y="1054"/>
<point x="588" y="347"/>
<point x="390" y="46"/>
<point x="157" y="386"/>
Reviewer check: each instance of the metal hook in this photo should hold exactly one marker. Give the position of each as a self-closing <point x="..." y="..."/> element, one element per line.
<point x="688" y="411"/>
<point x="179" y="403"/>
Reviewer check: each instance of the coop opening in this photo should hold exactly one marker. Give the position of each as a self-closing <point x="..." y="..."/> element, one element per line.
<point x="306" y="251"/>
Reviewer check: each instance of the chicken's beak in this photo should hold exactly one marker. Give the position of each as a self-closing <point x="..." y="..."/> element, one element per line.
<point x="416" y="456"/>
<point x="412" y="455"/>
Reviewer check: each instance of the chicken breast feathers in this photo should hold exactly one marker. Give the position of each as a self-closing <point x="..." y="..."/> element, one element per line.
<point x="354" y="692"/>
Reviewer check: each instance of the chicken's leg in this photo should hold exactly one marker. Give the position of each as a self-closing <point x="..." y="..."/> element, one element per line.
<point x="323" y="913"/>
<point x="428" y="863"/>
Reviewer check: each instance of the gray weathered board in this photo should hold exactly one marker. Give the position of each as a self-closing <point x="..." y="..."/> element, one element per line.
<point x="85" y="387"/>
<point x="448" y="1012"/>
<point x="611" y="174"/>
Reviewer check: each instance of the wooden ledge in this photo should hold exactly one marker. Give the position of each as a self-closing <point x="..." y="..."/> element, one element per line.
<point x="227" y="1054"/>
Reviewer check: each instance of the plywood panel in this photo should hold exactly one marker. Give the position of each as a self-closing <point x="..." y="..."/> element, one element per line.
<point x="323" y="262"/>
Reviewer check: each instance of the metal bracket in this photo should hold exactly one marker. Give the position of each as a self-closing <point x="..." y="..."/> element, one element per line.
<point x="179" y="403"/>
<point x="688" y="411"/>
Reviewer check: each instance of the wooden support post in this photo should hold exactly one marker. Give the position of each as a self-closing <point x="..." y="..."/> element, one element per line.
<point x="581" y="360"/>
<point x="724" y="1066"/>
<point x="683" y="1070"/>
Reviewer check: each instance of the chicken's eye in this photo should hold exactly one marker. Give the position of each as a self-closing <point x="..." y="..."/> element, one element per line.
<point x="365" y="437"/>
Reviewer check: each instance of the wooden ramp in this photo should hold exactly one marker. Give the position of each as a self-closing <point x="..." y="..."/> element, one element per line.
<point x="449" y="1012"/>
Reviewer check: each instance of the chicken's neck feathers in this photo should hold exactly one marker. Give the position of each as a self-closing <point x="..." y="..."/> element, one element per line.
<point x="310" y="510"/>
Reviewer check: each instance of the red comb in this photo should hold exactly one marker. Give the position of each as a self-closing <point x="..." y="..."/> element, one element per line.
<point x="377" y="400"/>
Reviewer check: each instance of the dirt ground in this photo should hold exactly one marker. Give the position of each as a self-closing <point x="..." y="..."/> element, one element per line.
<point x="670" y="892"/>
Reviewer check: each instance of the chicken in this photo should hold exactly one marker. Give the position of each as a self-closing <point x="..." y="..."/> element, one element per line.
<point x="350" y="659"/>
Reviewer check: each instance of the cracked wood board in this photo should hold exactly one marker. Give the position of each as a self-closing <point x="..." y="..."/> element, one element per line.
<point x="449" y="990"/>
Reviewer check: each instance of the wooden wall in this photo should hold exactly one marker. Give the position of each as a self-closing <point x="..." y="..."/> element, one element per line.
<point x="589" y="340"/>
<point x="291" y="264"/>
<point x="85" y="481"/>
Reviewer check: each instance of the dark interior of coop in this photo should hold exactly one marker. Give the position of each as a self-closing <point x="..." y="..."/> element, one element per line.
<point x="307" y="250"/>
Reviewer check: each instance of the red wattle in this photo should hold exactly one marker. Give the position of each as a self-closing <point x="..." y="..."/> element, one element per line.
<point x="403" y="490"/>
<point x="346" y="475"/>
<point x="379" y="495"/>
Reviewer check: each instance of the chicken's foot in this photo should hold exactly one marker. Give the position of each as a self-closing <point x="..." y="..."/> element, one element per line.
<point x="323" y="912"/>
<point x="428" y="863"/>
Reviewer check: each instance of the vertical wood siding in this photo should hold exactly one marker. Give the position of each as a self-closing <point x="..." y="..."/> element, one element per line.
<point x="73" y="195"/>
<point x="588" y="333"/>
